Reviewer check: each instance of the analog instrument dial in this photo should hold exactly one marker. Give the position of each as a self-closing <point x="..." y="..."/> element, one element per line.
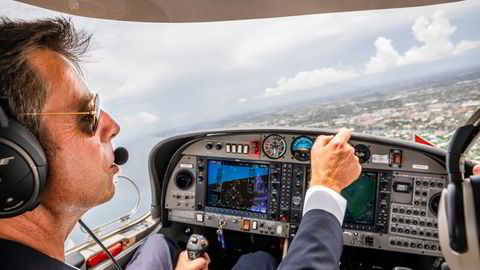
<point x="274" y="146"/>
<point x="301" y="148"/>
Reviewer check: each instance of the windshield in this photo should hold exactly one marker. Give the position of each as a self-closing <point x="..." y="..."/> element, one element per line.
<point x="393" y="73"/>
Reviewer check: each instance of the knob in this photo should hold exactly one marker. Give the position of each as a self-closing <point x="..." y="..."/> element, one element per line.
<point x="209" y="145"/>
<point x="184" y="179"/>
<point x="199" y="206"/>
<point x="218" y="146"/>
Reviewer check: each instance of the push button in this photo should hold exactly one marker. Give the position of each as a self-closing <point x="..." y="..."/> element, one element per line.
<point x="279" y="229"/>
<point x="246" y="225"/>
<point x="245" y="149"/>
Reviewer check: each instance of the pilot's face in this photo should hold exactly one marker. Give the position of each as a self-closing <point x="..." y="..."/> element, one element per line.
<point x="81" y="166"/>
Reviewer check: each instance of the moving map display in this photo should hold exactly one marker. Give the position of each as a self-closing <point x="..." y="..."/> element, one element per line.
<point x="361" y="199"/>
<point x="239" y="186"/>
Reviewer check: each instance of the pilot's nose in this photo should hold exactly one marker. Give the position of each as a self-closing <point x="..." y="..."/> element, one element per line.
<point x="109" y="128"/>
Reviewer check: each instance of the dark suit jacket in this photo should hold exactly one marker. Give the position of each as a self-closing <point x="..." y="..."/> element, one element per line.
<point x="317" y="245"/>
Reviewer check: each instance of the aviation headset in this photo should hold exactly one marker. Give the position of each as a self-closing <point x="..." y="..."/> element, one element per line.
<point x="459" y="211"/>
<point x="23" y="166"/>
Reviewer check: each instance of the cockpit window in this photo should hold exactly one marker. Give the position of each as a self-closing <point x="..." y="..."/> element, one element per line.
<point x="395" y="73"/>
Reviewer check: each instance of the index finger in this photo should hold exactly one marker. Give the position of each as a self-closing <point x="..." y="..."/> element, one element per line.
<point x="342" y="136"/>
<point x="323" y="140"/>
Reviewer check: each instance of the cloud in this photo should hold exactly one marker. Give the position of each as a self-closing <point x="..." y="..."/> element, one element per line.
<point x="466" y="45"/>
<point x="309" y="79"/>
<point x="242" y="100"/>
<point x="146" y="117"/>
<point x="434" y="35"/>
<point x="140" y="118"/>
<point x="386" y="57"/>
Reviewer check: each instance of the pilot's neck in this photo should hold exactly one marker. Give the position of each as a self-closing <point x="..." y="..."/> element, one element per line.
<point x="41" y="230"/>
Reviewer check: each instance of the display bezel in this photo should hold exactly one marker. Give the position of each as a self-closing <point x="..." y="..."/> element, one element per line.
<point x="231" y="210"/>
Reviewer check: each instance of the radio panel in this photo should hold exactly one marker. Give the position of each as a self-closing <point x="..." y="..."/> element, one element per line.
<point x="390" y="209"/>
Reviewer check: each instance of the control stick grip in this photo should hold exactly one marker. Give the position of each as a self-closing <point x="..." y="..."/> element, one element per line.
<point x="196" y="246"/>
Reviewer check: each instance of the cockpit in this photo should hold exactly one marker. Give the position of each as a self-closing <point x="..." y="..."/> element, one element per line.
<point x="252" y="183"/>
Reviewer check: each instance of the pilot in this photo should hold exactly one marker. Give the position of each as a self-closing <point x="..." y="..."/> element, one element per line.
<point x="42" y="84"/>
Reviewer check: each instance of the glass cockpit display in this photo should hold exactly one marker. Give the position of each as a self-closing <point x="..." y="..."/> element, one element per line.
<point x="239" y="186"/>
<point x="361" y="198"/>
<point x="301" y="148"/>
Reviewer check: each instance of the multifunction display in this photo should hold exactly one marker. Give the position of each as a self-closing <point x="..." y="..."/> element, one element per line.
<point x="361" y="199"/>
<point x="238" y="185"/>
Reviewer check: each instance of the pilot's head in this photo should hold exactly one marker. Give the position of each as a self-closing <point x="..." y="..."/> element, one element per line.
<point x="41" y="78"/>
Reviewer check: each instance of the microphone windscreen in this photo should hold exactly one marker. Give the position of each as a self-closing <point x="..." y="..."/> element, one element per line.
<point x="121" y="156"/>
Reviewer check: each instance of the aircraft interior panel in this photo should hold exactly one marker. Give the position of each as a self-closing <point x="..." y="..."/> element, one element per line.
<point x="256" y="182"/>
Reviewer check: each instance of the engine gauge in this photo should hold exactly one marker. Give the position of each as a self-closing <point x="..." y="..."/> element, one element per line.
<point x="274" y="146"/>
<point x="301" y="148"/>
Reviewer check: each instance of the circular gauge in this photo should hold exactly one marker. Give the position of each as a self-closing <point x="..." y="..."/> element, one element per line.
<point x="301" y="148"/>
<point x="362" y="152"/>
<point x="274" y="146"/>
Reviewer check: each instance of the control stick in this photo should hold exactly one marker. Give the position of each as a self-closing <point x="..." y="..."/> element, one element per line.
<point x="196" y="246"/>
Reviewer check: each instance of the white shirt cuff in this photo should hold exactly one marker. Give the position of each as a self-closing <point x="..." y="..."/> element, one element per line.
<point x="324" y="198"/>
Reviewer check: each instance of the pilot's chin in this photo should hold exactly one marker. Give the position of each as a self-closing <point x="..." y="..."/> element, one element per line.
<point x="108" y="195"/>
<point x="112" y="190"/>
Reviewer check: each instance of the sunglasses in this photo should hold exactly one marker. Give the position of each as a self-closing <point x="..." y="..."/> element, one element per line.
<point x="93" y="116"/>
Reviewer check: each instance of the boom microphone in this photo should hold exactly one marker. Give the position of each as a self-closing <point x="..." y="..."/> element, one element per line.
<point x="121" y="156"/>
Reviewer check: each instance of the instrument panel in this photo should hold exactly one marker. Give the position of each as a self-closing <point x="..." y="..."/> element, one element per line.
<point x="256" y="183"/>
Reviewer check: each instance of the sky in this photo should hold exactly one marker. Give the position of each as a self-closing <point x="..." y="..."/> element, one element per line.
<point x="157" y="76"/>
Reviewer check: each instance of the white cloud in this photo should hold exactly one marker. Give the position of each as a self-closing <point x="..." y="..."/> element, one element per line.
<point x="385" y="58"/>
<point x="434" y="34"/>
<point x="465" y="45"/>
<point x="242" y="100"/>
<point x="146" y="117"/>
<point x="309" y="79"/>
<point x="140" y="118"/>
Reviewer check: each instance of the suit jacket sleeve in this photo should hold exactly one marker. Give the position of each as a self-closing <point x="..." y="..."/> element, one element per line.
<point x="318" y="243"/>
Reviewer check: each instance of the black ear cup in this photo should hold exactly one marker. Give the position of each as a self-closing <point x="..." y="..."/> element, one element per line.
<point x="23" y="168"/>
